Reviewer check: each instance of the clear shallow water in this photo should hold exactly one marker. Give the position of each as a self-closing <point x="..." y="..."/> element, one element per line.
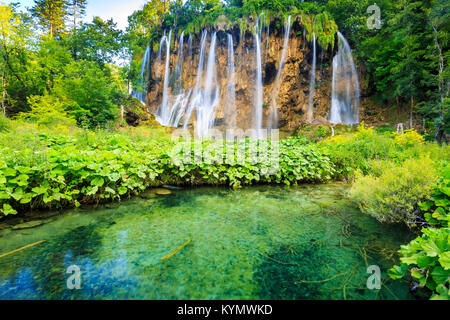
<point x="266" y="242"/>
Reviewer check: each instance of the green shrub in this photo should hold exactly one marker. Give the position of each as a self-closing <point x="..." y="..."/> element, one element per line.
<point x="65" y="170"/>
<point x="4" y="124"/>
<point x="436" y="209"/>
<point x="47" y="110"/>
<point x="354" y="151"/>
<point x="427" y="258"/>
<point x="395" y="195"/>
<point x="409" y="138"/>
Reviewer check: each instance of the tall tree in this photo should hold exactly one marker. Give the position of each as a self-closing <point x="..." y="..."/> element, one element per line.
<point x="76" y="9"/>
<point x="397" y="54"/>
<point x="439" y="20"/>
<point x="51" y="14"/>
<point x="99" y="41"/>
<point x="15" y="34"/>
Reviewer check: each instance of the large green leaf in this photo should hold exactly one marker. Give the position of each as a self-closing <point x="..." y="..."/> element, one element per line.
<point x="397" y="272"/>
<point x="431" y="249"/>
<point x="97" y="181"/>
<point x="7" y="209"/>
<point x="440" y="275"/>
<point x="444" y="260"/>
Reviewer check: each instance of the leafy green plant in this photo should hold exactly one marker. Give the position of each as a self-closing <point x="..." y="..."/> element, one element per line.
<point x="350" y="152"/>
<point x="4" y="124"/>
<point x="92" y="167"/>
<point x="395" y="195"/>
<point x="409" y="138"/>
<point x="47" y="110"/>
<point x="436" y="209"/>
<point x="427" y="258"/>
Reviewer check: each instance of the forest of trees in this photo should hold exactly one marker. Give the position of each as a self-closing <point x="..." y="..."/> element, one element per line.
<point x="53" y="62"/>
<point x="53" y="65"/>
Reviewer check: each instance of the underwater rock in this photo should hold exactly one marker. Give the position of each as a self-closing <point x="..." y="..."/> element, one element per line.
<point x="27" y="225"/>
<point x="148" y="194"/>
<point x="162" y="191"/>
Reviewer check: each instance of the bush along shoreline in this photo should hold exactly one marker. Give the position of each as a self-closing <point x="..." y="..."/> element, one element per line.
<point x="410" y="187"/>
<point x="425" y="261"/>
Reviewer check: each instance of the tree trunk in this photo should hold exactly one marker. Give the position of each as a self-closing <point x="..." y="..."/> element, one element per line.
<point x="6" y="59"/>
<point x="3" y="92"/>
<point x="440" y="134"/>
<point x="75" y="15"/>
<point x="441" y="66"/>
<point x="411" y="113"/>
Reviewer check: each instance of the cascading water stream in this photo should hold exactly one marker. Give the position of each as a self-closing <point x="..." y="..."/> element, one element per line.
<point x="258" y="103"/>
<point x="158" y="57"/>
<point x="203" y="91"/>
<point x="141" y="92"/>
<point x="179" y="105"/>
<point x="345" y="86"/>
<point x="312" y="82"/>
<point x="164" y="113"/>
<point x="230" y="111"/>
<point x="179" y="66"/>
<point x="210" y="95"/>
<point x="272" y="121"/>
<point x="196" y="93"/>
<point x="190" y="50"/>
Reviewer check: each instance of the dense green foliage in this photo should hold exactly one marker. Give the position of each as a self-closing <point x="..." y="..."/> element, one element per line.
<point x="70" y="68"/>
<point x="400" y="178"/>
<point x="44" y="169"/>
<point x="427" y="258"/>
<point x="395" y="195"/>
<point x="393" y="172"/>
<point x="81" y="166"/>
<point x="366" y="150"/>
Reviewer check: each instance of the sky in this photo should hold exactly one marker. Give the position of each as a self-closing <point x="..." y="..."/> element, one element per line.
<point x="119" y="10"/>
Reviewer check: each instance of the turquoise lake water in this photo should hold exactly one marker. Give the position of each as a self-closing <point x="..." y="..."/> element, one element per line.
<point x="263" y="242"/>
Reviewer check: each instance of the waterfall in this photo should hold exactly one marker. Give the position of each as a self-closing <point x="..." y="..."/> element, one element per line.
<point x="196" y="94"/>
<point x="184" y="101"/>
<point x="231" y="87"/>
<point x="312" y="82"/>
<point x="258" y="103"/>
<point x="141" y="92"/>
<point x="190" y="50"/>
<point x="179" y="105"/>
<point x="210" y="96"/>
<point x="267" y="43"/>
<point x="272" y="121"/>
<point x="164" y="114"/>
<point x="158" y="59"/>
<point x="345" y="86"/>
<point x="179" y="66"/>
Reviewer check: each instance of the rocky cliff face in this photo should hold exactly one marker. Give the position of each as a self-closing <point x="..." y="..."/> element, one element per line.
<point x="292" y="96"/>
